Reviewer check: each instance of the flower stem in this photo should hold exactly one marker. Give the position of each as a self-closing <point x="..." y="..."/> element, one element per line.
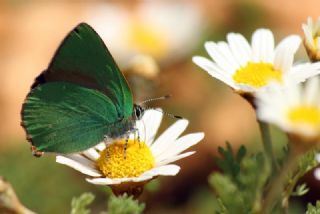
<point x="266" y="140"/>
<point x="277" y="183"/>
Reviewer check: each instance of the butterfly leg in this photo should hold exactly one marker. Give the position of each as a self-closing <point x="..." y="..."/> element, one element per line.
<point x="125" y="147"/>
<point x="107" y="140"/>
<point x="35" y="152"/>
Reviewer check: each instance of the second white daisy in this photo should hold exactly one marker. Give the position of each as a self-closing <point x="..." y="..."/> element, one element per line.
<point x="295" y="109"/>
<point x="247" y="68"/>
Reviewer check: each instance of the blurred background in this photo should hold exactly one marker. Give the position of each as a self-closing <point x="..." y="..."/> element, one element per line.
<point x="171" y="32"/>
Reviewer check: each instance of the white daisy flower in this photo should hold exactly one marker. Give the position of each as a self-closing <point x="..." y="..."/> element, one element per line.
<point x="312" y="42"/>
<point x="295" y="109"/>
<point x="144" y="161"/>
<point x="248" y="68"/>
<point x="150" y="28"/>
<point x="316" y="172"/>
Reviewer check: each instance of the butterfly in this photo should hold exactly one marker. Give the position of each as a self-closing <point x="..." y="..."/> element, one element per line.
<point x="81" y="99"/>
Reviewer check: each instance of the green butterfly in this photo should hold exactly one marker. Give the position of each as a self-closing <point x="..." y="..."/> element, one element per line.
<point x="80" y="99"/>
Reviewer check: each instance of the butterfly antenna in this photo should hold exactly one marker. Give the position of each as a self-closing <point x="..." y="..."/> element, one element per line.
<point x="167" y="114"/>
<point x="155" y="99"/>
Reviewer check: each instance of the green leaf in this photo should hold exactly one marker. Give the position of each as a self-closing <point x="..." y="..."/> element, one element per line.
<point x="124" y="205"/>
<point x="240" y="188"/>
<point x="313" y="209"/>
<point x="228" y="163"/>
<point x="79" y="205"/>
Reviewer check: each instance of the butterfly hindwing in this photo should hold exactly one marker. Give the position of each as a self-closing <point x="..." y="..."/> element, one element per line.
<point x="65" y="117"/>
<point x="83" y="59"/>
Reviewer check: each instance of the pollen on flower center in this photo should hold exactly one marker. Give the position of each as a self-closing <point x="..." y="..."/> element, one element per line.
<point x="257" y="74"/>
<point x="308" y="115"/>
<point x="114" y="163"/>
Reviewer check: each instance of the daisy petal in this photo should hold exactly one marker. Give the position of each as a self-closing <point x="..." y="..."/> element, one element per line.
<point x="165" y="170"/>
<point x="180" y="145"/>
<point x="311" y="91"/>
<point x="262" y="45"/>
<point x="92" y="154"/>
<point x="240" y="48"/>
<point x="79" y="163"/>
<point x="103" y="181"/>
<point x="174" y="158"/>
<point x="217" y="53"/>
<point x="300" y="73"/>
<point x="214" y="70"/>
<point x="284" y="53"/>
<point x="169" y="136"/>
<point x="152" y="120"/>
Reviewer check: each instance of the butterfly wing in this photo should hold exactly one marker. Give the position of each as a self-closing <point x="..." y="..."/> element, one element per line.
<point x="65" y="117"/>
<point x="83" y="58"/>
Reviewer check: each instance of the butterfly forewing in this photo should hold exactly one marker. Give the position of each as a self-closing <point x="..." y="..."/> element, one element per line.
<point x="83" y="58"/>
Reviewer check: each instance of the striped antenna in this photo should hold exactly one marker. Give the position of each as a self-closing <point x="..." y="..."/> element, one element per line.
<point x="166" y="113"/>
<point x="155" y="99"/>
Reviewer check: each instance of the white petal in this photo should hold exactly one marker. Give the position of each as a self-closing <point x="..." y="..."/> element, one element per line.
<point x="316" y="173"/>
<point x="180" y="145"/>
<point x="228" y="55"/>
<point x="262" y="45"/>
<point x="311" y="91"/>
<point x="214" y="70"/>
<point x="240" y="48"/>
<point x="308" y="34"/>
<point x="219" y="57"/>
<point x="318" y="157"/>
<point x="165" y="170"/>
<point x="110" y="181"/>
<point x="169" y="136"/>
<point x="101" y="146"/>
<point x="152" y="120"/>
<point x="79" y="163"/>
<point x="284" y="53"/>
<point x="103" y="181"/>
<point x="174" y="158"/>
<point x="299" y="73"/>
<point x="92" y="154"/>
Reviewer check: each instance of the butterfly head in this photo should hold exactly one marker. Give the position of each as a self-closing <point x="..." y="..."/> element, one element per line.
<point x="138" y="111"/>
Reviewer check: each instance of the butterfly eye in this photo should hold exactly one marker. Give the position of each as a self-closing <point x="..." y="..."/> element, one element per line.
<point x="138" y="112"/>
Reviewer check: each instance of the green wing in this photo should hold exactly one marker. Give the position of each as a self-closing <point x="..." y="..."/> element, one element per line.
<point x="64" y="117"/>
<point x="83" y="58"/>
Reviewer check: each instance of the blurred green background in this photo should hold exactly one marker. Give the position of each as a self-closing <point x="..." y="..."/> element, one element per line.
<point x="170" y="31"/>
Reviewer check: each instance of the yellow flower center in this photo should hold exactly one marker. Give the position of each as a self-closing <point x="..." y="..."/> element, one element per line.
<point x="305" y="115"/>
<point x="148" y="39"/>
<point x="114" y="162"/>
<point x="315" y="41"/>
<point x="257" y="74"/>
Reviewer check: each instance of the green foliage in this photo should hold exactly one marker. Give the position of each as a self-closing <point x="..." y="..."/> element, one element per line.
<point x="153" y="186"/>
<point x="300" y="190"/>
<point x="228" y="163"/>
<point x="124" y="205"/>
<point x="313" y="209"/>
<point x="241" y="186"/>
<point x="116" y="205"/>
<point x="79" y="205"/>
<point x="308" y="161"/>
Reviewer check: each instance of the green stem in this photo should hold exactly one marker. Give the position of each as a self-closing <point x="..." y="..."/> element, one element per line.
<point x="288" y="191"/>
<point x="277" y="184"/>
<point x="267" y="144"/>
